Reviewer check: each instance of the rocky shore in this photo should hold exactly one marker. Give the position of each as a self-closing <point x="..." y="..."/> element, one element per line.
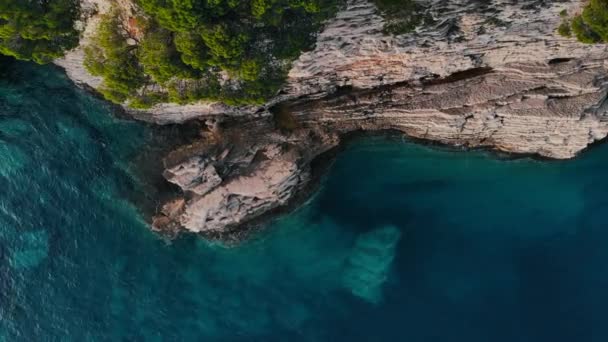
<point x="494" y="74"/>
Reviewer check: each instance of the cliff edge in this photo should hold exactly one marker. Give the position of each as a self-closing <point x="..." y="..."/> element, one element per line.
<point x="489" y="74"/>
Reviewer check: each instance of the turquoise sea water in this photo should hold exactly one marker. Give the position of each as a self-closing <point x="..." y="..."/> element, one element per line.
<point x="403" y="242"/>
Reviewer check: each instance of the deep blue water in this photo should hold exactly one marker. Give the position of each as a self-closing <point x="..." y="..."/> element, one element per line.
<point x="403" y="242"/>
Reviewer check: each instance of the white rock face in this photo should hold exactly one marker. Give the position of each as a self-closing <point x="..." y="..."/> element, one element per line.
<point x="543" y="94"/>
<point x="269" y="185"/>
<point x="552" y="110"/>
<point x="236" y="182"/>
<point x="353" y="50"/>
<point x="72" y="62"/>
<point x="168" y="113"/>
<point x="196" y="175"/>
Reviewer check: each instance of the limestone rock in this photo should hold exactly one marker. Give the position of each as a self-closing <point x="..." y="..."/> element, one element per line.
<point x="551" y="110"/>
<point x="196" y="175"/>
<point x="270" y="184"/>
<point x="353" y="50"/>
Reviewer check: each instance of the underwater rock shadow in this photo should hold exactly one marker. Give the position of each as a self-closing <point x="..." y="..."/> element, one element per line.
<point x="368" y="266"/>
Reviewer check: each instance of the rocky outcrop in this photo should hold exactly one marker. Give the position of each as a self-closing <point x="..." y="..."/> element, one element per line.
<point x="489" y="74"/>
<point x="249" y="171"/>
<point x="552" y="110"/>
<point x="170" y="113"/>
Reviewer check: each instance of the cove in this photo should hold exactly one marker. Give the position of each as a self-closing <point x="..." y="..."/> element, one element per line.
<point x="402" y="242"/>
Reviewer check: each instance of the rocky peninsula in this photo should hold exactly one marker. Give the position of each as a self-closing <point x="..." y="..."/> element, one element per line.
<point x="492" y="74"/>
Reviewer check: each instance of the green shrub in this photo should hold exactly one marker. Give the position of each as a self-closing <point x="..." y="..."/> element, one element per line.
<point x="248" y="40"/>
<point x="192" y="49"/>
<point x="595" y="18"/>
<point x="589" y="27"/>
<point x="160" y="59"/>
<point x="583" y="32"/>
<point x="564" y="29"/>
<point x="226" y="44"/>
<point x="147" y="100"/>
<point x="38" y="30"/>
<point x="189" y="47"/>
<point x="110" y="57"/>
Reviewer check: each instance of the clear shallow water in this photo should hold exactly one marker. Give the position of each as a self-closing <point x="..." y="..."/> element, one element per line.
<point x="402" y="243"/>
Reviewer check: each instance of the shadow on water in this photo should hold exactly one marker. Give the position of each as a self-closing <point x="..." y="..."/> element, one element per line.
<point x="6" y="63"/>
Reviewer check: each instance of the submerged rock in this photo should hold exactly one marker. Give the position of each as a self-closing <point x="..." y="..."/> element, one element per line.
<point x="12" y="159"/>
<point x="368" y="266"/>
<point x="30" y="250"/>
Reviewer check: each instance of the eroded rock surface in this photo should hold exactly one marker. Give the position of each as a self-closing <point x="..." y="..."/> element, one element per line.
<point x="467" y="34"/>
<point x="551" y="110"/>
<point x="249" y="171"/>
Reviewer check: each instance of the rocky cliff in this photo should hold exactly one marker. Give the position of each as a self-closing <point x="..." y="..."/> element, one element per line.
<point x="489" y="74"/>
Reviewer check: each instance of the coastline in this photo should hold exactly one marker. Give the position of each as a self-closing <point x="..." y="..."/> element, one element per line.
<point x="484" y="226"/>
<point x="151" y="164"/>
<point x="321" y="167"/>
<point x="533" y="94"/>
<point x="147" y="165"/>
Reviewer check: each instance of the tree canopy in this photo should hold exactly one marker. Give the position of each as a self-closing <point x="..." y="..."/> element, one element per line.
<point x="38" y="30"/>
<point x="111" y="57"/>
<point x="235" y="51"/>
<point x="591" y="26"/>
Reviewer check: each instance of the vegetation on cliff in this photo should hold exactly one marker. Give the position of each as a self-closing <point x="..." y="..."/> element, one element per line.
<point x="38" y="30"/>
<point x="237" y="52"/>
<point x="402" y="16"/>
<point x="590" y="26"/>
